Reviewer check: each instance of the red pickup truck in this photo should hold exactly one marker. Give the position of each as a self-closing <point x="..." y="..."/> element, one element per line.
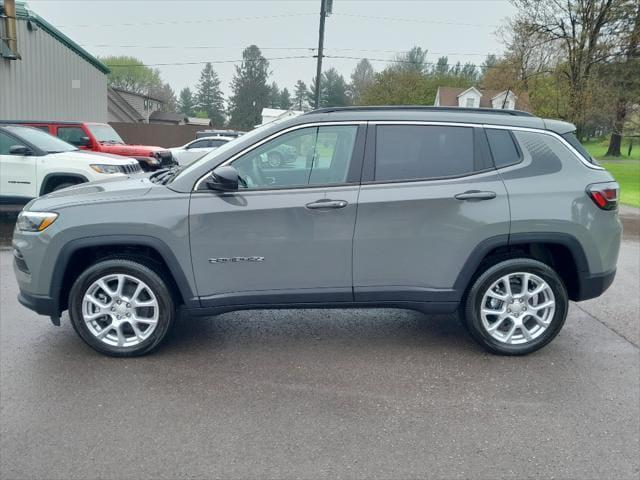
<point x="101" y="137"/>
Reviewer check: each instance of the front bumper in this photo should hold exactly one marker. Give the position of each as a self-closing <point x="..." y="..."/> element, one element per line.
<point x="42" y="305"/>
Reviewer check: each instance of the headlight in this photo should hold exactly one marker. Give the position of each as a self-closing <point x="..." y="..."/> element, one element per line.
<point x="106" y="168"/>
<point x="35" y="221"/>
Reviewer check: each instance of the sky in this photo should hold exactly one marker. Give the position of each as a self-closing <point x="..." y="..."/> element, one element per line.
<point x="190" y="33"/>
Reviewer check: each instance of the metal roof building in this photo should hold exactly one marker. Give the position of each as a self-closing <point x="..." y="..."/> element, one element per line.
<point x="44" y="75"/>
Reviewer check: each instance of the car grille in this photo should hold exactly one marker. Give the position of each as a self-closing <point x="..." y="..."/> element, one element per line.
<point x="165" y="159"/>
<point x="131" y="168"/>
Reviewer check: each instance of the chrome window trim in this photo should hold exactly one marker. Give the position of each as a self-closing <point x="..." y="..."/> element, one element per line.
<point x="553" y="134"/>
<point x="430" y="180"/>
<point x="356" y="123"/>
<point x="499" y="127"/>
<point x="408" y="122"/>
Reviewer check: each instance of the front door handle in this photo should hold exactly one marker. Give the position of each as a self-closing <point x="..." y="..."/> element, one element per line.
<point x="327" y="203"/>
<point x="475" y="195"/>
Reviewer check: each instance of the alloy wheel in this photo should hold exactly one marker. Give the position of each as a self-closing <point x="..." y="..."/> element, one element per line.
<point x="120" y="310"/>
<point x="517" y="308"/>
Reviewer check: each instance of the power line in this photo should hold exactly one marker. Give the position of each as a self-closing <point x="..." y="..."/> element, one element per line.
<point x="267" y="17"/>
<point x="417" y="20"/>
<point x="387" y="60"/>
<point x="169" y="64"/>
<point x="217" y="47"/>
<point x="176" y="22"/>
<point x="294" y="57"/>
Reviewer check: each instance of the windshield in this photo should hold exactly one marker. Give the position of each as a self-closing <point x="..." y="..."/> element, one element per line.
<point x="42" y="140"/>
<point x="105" y="133"/>
<point x="220" y="151"/>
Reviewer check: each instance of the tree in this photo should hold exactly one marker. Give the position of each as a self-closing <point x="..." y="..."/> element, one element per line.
<point x="250" y="89"/>
<point x="442" y="66"/>
<point x="186" y="102"/>
<point x="583" y="29"/>
<point x="129" y="73"/>
<point x="362" y="78"/>
<point x="274" y="96"/>
<point x="415" y="60"/>
<point x="285" y="99"/>
<point x="209" y="97"/>
<point x="627" y="74"/>
<point x="166" y="95"/>
<point x="490" y="61"/>
<point x="333" y="90"/>
<point x="300" y="95"/>
<point x="394" y="87"/>
<point x="469" y="72"/>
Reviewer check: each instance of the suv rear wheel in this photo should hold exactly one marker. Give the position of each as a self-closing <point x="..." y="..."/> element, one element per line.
<point x="121" y="307"/>
<point x="516" y="307"/>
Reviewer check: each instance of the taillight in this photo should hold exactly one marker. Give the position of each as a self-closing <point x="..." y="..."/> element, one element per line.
<point x="604" y="195"/>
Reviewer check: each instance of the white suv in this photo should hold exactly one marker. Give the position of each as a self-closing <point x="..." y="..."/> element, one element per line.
<point x="33" y="163"/>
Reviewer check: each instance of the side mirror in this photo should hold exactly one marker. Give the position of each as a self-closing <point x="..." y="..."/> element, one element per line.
<point x="20" y="150"/>
<point x="224" y="179"/>
<point x="83" y="142"/>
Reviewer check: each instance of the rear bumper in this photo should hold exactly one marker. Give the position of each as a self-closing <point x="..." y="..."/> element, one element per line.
<point x="592" y="286"/>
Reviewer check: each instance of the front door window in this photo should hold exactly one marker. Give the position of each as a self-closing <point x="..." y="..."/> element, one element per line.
<point x="304" y="157"/>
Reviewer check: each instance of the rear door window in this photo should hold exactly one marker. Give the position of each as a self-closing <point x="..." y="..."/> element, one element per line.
<point x="412" y="152"/>
<point x="503" y="148"/>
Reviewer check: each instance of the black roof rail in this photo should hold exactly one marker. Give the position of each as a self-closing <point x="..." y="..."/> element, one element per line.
<point x="418" y="108"/>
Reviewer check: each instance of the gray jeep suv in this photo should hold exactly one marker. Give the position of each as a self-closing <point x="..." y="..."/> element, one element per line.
<point x="498" y="215"/>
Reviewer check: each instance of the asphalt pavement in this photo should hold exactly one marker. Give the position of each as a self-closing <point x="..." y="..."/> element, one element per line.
<point x="326" y="394"/>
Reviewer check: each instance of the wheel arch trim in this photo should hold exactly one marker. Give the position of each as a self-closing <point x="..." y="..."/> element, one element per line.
<point x="51" y="176"/>
<point x="175" y="269"/>
<point x="480" y="252"/>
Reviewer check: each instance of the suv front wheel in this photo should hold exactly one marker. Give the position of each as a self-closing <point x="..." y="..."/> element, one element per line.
<point x="121" y="307"/>
<point x="516" y="307"/>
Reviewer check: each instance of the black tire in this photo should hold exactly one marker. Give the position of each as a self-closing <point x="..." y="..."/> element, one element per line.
<point x="154" y="281"/>
<point x="472" y="305"/>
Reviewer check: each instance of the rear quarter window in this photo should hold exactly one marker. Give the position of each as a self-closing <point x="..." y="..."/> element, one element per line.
<point x="503" y="147"/>
<point x="575" y="143"/>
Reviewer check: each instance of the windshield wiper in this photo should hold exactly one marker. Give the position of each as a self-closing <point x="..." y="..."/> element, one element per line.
<point x="165" y="175"/>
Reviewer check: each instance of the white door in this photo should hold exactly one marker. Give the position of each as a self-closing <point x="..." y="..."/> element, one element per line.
<point x="18" y="179"/>
<point x="193" y="151"/>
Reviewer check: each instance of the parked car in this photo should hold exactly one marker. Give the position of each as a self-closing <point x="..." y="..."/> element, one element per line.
<point x="193" y="150"/>
<point x="498" y="215"/>
<point x="278" y="157"/>
<point x="101" y="137"/>
<point x="219" y="133"/>
<point x="34" y="163"/>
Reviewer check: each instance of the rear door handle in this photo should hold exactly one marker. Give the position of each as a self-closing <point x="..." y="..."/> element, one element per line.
<point x="327" y="203"/>
<point x="475" y="195"/>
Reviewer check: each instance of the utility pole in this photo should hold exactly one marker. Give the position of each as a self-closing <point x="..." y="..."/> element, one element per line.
<point x="323" y="16"/>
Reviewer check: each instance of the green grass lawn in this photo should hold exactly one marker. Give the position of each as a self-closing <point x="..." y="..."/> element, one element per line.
<point x="627" y="174"/>
<point x="598" y="149"/>
<point x="626" y="170"/>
